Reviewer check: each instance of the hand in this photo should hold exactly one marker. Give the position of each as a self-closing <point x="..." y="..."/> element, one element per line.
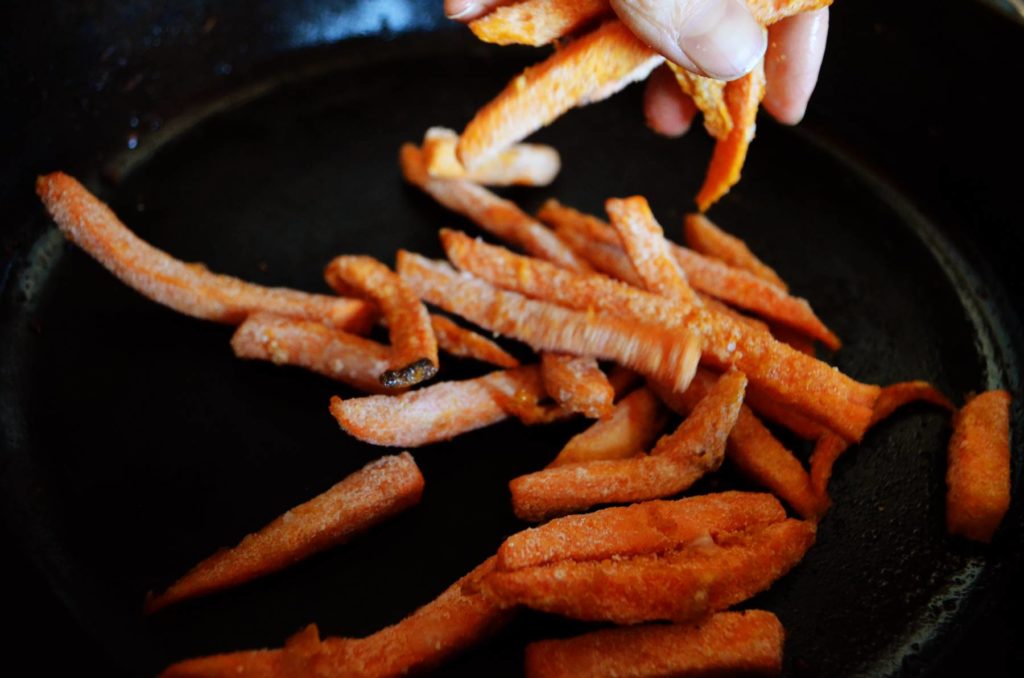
<point x="718" y="38"/>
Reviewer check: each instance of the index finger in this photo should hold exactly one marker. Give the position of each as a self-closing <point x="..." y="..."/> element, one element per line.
<point x="467" y="10"/>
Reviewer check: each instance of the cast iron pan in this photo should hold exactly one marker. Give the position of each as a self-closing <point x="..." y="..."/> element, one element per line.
<point x="264" y="143"/>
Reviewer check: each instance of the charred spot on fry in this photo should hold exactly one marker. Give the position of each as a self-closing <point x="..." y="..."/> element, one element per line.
<point x="410" y="375"/>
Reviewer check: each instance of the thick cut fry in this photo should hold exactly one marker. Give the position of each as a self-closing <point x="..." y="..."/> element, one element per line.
<point x="650" y="527"/>
<point x="649" y="349"/>
<point x="602" y="257"/>
<point x="680" y="586"/>
<point x="798" y="340"/>
<point x="645" y="244"/>
<point x="817" y="390"/>
<point x="628" y="431"/>
<point x="518" y="165"/>
<point x="978" y="477"/>
<point x="499" y="217"/>
<point x="186" y="288"/>
<point x="336" y="354"/>
<point x="369" y="496"/>
<point x="577" y="384"/>
<point x="557" y="215"/>
<point x="709" y="96"/>
<point x="413" y="344"/>
<point x="456" y="340"/>
<point x="458" y="618"/>
<point x="724" y="644"/>
<point x="675" y="463"/>
<point x="703" y="236"/>
<point x="769" y="406"/>
<point x="536" y="22"/>
<point x="587" y="70"/>
<point x="742" y="98"/>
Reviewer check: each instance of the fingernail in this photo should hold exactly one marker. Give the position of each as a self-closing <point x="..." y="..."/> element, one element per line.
<point x="723" y="39"/>
<point x="468" y="10"/>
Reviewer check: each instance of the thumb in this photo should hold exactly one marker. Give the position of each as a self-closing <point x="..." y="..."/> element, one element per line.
<point x="717" y="38"/>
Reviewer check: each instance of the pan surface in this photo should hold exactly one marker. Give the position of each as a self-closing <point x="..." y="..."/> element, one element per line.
<point x="135" y="444"/>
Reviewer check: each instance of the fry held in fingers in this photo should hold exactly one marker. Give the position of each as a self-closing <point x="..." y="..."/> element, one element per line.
<point x="536" y="22"/>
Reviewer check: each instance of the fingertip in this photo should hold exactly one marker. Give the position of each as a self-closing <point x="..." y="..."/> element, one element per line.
<point x="668" y="110"/>
<point x="462" y="10"/>
<point x="796" y="47"/>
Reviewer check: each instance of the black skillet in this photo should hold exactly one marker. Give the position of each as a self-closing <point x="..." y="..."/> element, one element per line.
<point x="262" y="140"/>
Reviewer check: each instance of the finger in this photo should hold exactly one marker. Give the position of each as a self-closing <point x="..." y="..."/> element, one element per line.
<point x="467" y="10"/>
<point x="795" y="48"/>
<point x="669" y="111"/>
<point x="717" y="38"/>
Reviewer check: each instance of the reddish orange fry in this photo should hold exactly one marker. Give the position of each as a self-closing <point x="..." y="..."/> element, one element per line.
<point x="703" y="236"/>
<point x="186" y="288"/>
<point x="413" y="344"/>
<point x="769" y="406"/>
<point x="501" y="218"/>
<point x="369" y="496"/>
<point x="649" y="349"/>
<point x="518" y="165"/>
<point x="536" y="22"/>
<point x="798" y="340"/>
<point x="675" y="463"/>
<point x="438" y="412"/>
<point x="709" y="96"/>
<point x="456" y="340"/>
<point x="557" y="215"/>
<point x="978" y="477"/>
<point x="726" y="643"/>
<point x="622" y="379"/>
<point x="718" y="307"/>
<point x="645" y="244"/>
<point x="742" y="97"/>
<point x="650" y="527"/>
<point x="628" y="431"/>
<point x="826" y="452"/>
<point x="680" y="586"/>
<point x="577" y="384"/>
<point x="336" y="354"/>
<point x="458" y="618"/>
<point x="817" y="390"/>
<point x="602" y="257"/>
<point x="768" y="12"/>
<point x="587" y="70"/>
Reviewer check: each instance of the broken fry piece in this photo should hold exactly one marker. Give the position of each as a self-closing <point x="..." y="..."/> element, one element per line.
<point x="726" y="643"/>
<point x="536" y="22"/>
<point x="369" y="496"/>
<point x="628" y="431"/>
<point x="768" y="12"/>
<point x="703" y="236"/>
<point x="187" y="288"/>
<point x="709" y="96"/>
<point x="978" y="476"/>
<point x="458" y="341"/>
<point x="517" y="165"/>
<point x="577" y="384"/>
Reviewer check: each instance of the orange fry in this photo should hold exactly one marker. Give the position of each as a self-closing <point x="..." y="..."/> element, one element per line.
<point x="675" y="463"/>
<point x="438" y="412"/>
<point x="679" y="586"/>
<point x="645" y="244"/>
<point x="458" y="341"/>
<point x="742" y="97"/>
<point x="649" y="527"/>
<point x="726" y="643"/>
<point x="817" y="390"/>
<point x="369" y="496"/>
<point x="798" y="340"/>
<point x="709" y="96"/>
<point x="768" y="12"/>
<point x="649" y="349"/>
<point x="602" y="257"/>
<point x="628" y="431"/>
<point x="557" y="215"/>
<point x="499" y="217"/>
<point x="536" y="22"/>
<point x="577" y="384"/>
<point x="518" y="165"/>
<point x="413" y="344"/>
<point x="703" y="236"/>
<point x="186" y="288"/>
<point x="978" y="477"/>
<point x="589" y="69"/>
<point x="769" y="406"/>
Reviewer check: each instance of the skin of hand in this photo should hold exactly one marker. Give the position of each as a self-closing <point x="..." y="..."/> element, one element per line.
<point x="718" y="38"/>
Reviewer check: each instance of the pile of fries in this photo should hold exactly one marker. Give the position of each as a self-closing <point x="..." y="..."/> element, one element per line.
<point x="708" y="333"/>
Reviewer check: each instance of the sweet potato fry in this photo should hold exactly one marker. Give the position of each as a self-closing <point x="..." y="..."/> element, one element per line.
<point x="709" y="96"/>
<point x="557" y="215"/>
<point x="679" y="586"/>
<point x="726" y="643"/>
<point x="978" y="476"/>
<point x="649" y="527"/>
<point x="536" y="22"/>
<point x="817" y="390"/>
<point x="458" y="618"/>
<point x="675" y="463"/>
<point x="634" y="423"/>
<point x="499" y="217"/>
<point x="742" y="98"/>
<point x="413" y="344"/>
<point x="794" y="338"/>
<point x="458" y="341"/>
<point x="187" y="288"/>
<point x="438" y="412"/>
<point x="649" y="349"/>
<point x="703" y="236"/>
<point x="577" y="384"/>
<point x="518" y="165"/>
<point x="645" y="244"/>
<point x="768" y="12"/>
<point x="369" y="496"/>
<point x="587" y="70"/>
<point x="602" y="257"/>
